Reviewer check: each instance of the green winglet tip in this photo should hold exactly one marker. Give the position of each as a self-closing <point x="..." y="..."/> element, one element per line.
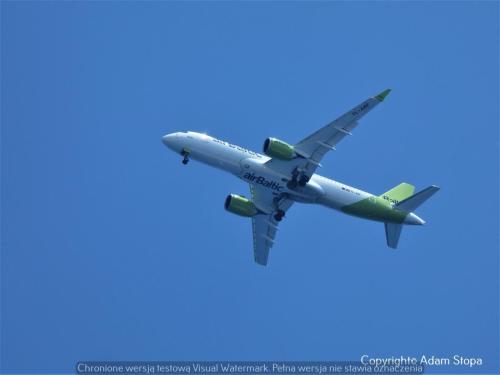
<point x="382" y="95"/>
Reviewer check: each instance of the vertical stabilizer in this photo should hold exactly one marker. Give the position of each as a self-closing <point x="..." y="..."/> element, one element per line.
<point x="392" y="233"/>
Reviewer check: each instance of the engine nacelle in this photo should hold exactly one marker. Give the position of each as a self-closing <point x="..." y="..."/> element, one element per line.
<point x="240" y="205"/>
<point x="278" y="149"/>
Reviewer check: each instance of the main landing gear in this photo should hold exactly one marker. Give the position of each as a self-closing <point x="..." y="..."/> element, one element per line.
<point x="279" y="214"/>
<point x="186" y="157"/>
<point x="298" y="179"/>
<point x="303" y="180"/>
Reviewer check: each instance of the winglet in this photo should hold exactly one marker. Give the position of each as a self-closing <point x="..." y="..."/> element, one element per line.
<point x="380" y="97"/>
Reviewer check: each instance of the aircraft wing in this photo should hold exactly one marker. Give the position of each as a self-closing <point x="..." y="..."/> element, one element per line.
<point x="315" y="146"/>
<point x="264" y="226"/>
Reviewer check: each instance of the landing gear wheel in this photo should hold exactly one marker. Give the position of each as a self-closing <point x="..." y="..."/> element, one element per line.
<point x="186" y="157"/>
<point x="303" y="181"/>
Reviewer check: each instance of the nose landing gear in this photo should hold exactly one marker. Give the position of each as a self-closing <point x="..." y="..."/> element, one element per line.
<point x="185" y="153"/>
<point x="278" y="216"/>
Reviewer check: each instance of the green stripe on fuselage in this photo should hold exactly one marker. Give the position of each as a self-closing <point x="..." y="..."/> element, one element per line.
<point x="375" y="208"/>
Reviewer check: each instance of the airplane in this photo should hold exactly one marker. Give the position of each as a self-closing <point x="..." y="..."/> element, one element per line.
<point x="285" y="174"/>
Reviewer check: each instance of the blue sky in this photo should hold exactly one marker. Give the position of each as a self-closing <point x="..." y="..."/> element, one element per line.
<point x="112" y="249"/>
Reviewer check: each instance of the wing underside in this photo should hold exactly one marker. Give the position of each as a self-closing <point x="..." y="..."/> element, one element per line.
<point x="312" y="148"/>
<point x="264" y="225"/>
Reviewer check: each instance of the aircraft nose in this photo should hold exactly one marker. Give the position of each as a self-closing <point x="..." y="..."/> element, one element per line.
<point x="169" y="140"/>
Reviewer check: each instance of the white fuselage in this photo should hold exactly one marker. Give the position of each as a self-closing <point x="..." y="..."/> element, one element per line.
<point x="251" y="168"/>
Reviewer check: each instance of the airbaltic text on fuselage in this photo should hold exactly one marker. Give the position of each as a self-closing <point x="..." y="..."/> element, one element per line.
<point x="259" y="180"/>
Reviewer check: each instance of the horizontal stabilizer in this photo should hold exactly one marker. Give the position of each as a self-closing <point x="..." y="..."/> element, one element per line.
<point x="392" y="233"/>
<point x="411" y="203"/>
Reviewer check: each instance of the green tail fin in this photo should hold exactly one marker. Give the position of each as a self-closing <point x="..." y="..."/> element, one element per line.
<point x="398" y="193"/>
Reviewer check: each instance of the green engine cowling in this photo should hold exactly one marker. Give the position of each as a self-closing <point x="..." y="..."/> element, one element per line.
<point x="240" y="205"/>
<point x="278" y="149"/>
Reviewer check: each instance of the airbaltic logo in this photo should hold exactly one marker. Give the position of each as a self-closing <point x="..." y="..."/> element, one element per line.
<point x="259" y="180"/>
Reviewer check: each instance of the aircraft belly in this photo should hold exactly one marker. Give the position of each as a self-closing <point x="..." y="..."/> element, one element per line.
<point x="255" y="173"/>
<point x="338" y="195"/>
<point x="375" y="208"/>
<point x="217" y="156"/>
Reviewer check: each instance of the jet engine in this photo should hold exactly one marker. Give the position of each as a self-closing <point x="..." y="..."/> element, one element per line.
<point x="240" y="205"/>
<point x="278" y="149"/>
